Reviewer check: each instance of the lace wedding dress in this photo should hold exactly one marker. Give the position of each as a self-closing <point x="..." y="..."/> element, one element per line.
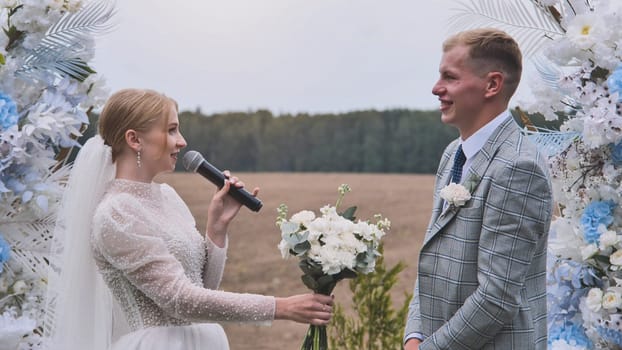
<point x="163" y="273"/>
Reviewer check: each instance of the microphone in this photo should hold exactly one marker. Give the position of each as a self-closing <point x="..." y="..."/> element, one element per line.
<point x="194" y="161"/>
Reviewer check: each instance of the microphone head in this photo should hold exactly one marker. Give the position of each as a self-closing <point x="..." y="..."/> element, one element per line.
<point x="192" y="160"/>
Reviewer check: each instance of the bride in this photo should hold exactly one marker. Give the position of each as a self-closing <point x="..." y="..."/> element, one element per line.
<point x="120" y="232"/>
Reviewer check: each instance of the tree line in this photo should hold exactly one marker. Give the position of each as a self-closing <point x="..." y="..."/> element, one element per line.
<point x="391" y="141"/>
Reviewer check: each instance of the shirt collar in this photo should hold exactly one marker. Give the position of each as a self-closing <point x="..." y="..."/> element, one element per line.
<point x="475" y="142"/>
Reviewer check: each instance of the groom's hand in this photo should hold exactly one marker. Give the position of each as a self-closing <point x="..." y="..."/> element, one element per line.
<point x="412" y="344"/>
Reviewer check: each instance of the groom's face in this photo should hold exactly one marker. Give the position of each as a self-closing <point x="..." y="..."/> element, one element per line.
<point x="459" y="89"/>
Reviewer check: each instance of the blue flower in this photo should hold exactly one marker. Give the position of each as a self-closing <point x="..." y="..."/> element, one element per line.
<point x="612" y="336"/>
<point x="570" y="333"/>
<point x="596" y="214"/>
<point x="8" y="112"/>
<point x="5" y="253"/>
<point x="615" y="82"/>
<point x="616" y="154"/>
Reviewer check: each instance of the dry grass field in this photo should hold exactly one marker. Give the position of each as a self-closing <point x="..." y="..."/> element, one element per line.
<point x="254" y="263"/>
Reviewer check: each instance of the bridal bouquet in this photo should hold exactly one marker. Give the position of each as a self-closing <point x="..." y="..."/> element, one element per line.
<point x="330" y="247"/>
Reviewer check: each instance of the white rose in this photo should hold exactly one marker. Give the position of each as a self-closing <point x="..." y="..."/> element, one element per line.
<point x="588" y="251"/>
<point x="616" y="258"/>
<point x="455" y="194"/>
<point x="608" y="239"/>
<point x="612" y="300"/>
<point x="20" y="287"/>
<point x="594" y="300"/>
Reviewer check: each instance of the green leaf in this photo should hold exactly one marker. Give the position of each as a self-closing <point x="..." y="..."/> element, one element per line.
<point x="309" y="282"/>
<point x="599" y="73"/>
<point x="349" y="213"/>
<point x="302" y="247"/>
<point x="347" y="273"/>
<point x="311" y="269"/>
<point x="2" y="59"/>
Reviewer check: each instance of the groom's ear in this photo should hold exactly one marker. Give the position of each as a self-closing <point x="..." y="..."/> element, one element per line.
<point x="494" y="84"/>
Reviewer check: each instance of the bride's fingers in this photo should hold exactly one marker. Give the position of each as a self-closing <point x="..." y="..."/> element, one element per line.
<point x="319" y="322"/>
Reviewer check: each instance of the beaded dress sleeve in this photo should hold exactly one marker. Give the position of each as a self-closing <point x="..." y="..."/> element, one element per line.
<point x="144" y="243"/>
<point x="216" y="256"/>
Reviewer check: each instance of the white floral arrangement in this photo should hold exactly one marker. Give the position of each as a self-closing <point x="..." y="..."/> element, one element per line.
<point x="46" y="90"/>
<point x="580" y="83"/>
<point x="455" y="195"/>
<point x="330" y="247"/>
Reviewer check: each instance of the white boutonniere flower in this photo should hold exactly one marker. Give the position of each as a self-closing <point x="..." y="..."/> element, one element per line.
<point x="455" y="195"/>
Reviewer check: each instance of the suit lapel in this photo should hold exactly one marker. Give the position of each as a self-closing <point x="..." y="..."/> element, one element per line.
<point x="479" y="166"/>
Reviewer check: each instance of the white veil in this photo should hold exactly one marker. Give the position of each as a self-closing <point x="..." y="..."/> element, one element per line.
<point x="79" y="304"/>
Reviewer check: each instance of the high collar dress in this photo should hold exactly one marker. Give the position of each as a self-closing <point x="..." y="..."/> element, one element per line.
<point x="163" y="273"/>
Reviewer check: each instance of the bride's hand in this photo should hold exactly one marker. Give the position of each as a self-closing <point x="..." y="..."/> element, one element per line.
<point x="223" y="208"/>
<point x="316" y="309"/>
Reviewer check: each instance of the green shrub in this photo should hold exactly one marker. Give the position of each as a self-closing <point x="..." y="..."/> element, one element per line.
<point x="376" y="324"/>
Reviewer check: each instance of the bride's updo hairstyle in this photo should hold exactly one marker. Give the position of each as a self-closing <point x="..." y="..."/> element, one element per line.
<point x="136" y="109"/>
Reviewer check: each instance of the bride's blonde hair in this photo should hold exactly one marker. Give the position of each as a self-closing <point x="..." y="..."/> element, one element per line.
<point x="136" y="109"/>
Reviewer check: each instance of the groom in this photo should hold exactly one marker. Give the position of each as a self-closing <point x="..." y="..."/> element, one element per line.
<point x="482" y="265"/>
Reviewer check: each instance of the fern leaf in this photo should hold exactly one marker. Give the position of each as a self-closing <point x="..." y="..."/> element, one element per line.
<point x="60" y="50"/>
<point x="551" y="142"/>
<point x="93" y="19"/>
<point x="531" y="25"/>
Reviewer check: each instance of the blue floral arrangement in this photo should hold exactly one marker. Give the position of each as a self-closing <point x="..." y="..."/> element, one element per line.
<point x="576" y="49"/>
<point x="47" y="87"/>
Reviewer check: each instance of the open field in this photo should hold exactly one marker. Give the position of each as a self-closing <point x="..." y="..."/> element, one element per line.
<point x="254" y="263"/>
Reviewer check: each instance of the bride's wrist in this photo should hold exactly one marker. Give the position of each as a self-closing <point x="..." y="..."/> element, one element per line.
<point x="217" y="233"/>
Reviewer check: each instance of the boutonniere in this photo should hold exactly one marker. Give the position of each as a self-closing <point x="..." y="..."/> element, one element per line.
<point x="456" y="195"/>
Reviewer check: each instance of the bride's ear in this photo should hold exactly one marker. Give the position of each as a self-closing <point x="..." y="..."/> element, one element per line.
<point x="133" y="140"/>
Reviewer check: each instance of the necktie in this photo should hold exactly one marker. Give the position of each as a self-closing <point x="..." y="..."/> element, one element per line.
<point x="456" y="170"/>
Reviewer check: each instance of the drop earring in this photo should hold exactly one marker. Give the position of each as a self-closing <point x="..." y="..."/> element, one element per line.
<point x="138" y="159"/>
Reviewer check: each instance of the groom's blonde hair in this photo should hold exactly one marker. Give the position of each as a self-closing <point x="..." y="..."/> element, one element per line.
<point x="491" y="50"/>
<point x="136" y="109"/>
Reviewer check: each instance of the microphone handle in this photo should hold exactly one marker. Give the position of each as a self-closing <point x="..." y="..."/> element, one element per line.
<point x="216" y="176"/>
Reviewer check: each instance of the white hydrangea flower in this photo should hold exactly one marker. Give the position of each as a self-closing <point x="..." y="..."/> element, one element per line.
<point x="588" y="251"/>
<point x="608" y="239"/>
<point x="13" y="329"/>
<point x="303" y="217"/>
<point x="566" y="243"/>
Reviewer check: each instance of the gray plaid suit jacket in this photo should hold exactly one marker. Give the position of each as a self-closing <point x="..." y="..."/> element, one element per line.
<point x="481" y="280"/>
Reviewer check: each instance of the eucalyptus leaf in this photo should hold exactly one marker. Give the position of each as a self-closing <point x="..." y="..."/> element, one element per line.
<point x="349" y="213"/>
<point x="300" y="248"/>
<point x="289" y="227"/>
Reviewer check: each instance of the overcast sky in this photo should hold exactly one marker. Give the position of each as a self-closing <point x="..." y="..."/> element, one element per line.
<point x="288" y="56"/>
